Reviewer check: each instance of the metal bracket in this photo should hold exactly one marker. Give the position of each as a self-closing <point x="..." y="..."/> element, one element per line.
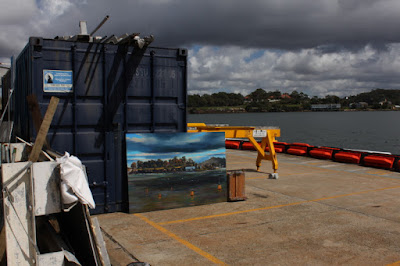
<point x="37" y="43"/>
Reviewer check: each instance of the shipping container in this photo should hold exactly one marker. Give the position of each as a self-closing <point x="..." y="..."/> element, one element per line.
<point x="105" y="91"/>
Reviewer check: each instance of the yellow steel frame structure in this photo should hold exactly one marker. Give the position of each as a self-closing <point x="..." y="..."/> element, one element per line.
<point x="246" y="132"/>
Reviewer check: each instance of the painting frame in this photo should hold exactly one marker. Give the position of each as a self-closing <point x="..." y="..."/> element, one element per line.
<point x="173" y="170"/>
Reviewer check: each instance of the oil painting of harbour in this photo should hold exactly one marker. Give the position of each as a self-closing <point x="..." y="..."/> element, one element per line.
<point x="171" y="170"/>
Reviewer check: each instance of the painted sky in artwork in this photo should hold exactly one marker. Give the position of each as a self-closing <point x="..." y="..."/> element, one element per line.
<point x="165" y="146"/>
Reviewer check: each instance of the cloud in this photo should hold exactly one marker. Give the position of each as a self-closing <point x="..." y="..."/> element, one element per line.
<point x="54" y="8"/>
<point x="317" y="46"/>
<point x="308" y="70"/>
<point x="287" y="25"/>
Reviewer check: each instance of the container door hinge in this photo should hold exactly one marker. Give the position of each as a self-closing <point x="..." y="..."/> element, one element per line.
<point x="182" y="52"/>
<point x="182" y="106"/>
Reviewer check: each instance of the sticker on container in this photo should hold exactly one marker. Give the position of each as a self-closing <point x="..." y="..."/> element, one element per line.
<point x="57" y="81"/>
<point x="259" y="133"/>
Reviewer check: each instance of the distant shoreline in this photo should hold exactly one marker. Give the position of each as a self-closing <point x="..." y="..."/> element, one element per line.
<point x="227" y="110"/>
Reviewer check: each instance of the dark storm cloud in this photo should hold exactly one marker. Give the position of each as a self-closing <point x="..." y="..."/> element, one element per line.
<point x="277" y="24"/>
<point x="263" y="24"/>
<point x="175" y="142"/>
<point x="317" y="46"/>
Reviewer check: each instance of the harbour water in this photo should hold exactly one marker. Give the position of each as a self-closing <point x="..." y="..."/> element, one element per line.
<point x="161" y="191"/>
<point x="371" y="130"/>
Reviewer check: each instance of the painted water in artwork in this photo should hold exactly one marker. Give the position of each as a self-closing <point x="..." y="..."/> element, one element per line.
<point x="172" y="170"/>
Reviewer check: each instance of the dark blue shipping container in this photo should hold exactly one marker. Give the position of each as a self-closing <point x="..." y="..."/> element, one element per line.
<point x="105" y="91"/>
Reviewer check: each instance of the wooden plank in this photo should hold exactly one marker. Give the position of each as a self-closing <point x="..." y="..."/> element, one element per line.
<point x="44" y="128"/>
<point x="36" y="115"/>
<point x="100" y="244"/>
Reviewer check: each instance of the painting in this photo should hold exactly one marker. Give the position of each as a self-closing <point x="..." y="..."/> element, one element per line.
<point x="173" y="170"/>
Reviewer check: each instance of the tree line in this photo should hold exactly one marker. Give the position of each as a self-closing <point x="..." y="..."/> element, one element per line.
<point x="171" y="165"/>
<point x="175" y="165"/>
<point x="261" y="100"/>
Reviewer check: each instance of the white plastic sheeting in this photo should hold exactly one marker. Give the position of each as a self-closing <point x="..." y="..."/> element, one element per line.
<point x="74" y="185"/>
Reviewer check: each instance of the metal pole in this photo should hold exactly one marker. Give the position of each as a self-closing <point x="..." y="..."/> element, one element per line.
<point x="10" y="99"/>
<point x="99" y="26"/>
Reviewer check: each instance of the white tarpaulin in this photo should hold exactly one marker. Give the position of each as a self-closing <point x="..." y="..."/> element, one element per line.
<point x="74" y="185"/>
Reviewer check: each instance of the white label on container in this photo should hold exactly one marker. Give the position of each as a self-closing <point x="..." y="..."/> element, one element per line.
<point x="258" y="133"/>
<point x="59" y="81"/>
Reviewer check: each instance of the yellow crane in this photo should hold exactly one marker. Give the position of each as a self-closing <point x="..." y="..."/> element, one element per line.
<point x="268" y="136"/>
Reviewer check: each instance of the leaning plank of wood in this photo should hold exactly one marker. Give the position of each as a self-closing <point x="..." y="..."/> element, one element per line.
<point x="36" y="115"/>
<point x="44" y="128"/>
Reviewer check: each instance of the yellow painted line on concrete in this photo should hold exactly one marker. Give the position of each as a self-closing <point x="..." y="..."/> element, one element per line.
<point x="275" y="207"/>
<point x="182" y="241"/>
<point x="232" y="213"/>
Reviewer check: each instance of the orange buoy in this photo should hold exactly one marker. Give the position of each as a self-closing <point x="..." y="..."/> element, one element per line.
<point x="321" y="153"/>
<point x="192" y="193"/>
<point x="348" y="157"/>
<point x="159" y="195"/>
<point x="379" y="161"/>
<point x="219" y="187"/>
<point x="279" y="146"/>
<point x="300" y="144"/>
<point x="248" y="146"/>
<point x="232" y="144"/>
<point x="297" y="150"/>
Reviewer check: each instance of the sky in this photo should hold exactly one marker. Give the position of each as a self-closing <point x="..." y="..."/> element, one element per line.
<point x="197" y="146"/>
<point x="319" y="47"/>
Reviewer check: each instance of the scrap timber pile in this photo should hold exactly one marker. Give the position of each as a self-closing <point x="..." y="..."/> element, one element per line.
<point x="46" y="218"/>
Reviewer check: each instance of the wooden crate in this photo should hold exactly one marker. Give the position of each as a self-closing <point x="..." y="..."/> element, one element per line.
<point x="236" y="183"/>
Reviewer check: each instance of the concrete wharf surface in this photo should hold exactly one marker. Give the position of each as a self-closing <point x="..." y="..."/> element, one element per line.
<point x="318" y="212"/>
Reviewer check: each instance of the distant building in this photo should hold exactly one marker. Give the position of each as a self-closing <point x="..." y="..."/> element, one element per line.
<point x="273" y="100"/>
<point x="285" y="96"/>
<point x="385" y="102"/>
<point x="190" y="168"/>
<point x="326" y="107"/>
